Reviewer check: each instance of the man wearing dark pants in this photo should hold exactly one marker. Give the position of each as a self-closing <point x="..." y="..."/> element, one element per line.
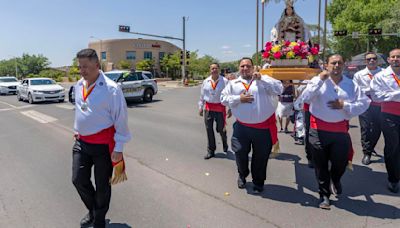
<point x="251" y="98"/>
<point x="333" y="99"/>
<point x="370" y="120"/>
<point x="210" y="106"/>
<point x="386" y="89"/>
<point x="101" y="130"/>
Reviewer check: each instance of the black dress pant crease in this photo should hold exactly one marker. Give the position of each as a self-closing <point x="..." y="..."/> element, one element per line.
<point x="329" y="147"/>
<point x="370" y="126"/>
<point x="96" y="199"/>
<point x="391" y="133"/>
<point x="209" y="118"/>
<point x="306" y="135"/>
<point x="243" y="140"/>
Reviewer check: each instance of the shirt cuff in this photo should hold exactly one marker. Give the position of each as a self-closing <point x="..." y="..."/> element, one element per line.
<point x="119" y="147"/>
<point x="346" y="107"/>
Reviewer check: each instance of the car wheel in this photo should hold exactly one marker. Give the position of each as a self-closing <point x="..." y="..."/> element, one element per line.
<point x="19" y="98"/>
<point x="148" y="95"/>
<point x="30" y="99"/>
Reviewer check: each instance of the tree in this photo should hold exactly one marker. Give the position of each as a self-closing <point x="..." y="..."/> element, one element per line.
<point x="170" y="65"/>
<point x="359" y="16"/>
<point x="32" y="64"/>
<point x="124" y="65"/>
<point x="146" y="64"/>
<point x="233" y="66"/>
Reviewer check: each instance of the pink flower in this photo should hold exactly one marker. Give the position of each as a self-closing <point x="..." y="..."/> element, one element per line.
<point x="287" y="43"/>
<point x="296" y="49"/>
<point x="277" y="55"/>
<point x="266" y="54"/>
<point x="268" y="48"/>
<point x="268" y="44"/>
<point x="302" y="43"/>
<point x="314" y="51"/>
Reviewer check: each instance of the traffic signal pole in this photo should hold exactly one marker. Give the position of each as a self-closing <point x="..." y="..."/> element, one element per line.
<point x="184" y="52"/>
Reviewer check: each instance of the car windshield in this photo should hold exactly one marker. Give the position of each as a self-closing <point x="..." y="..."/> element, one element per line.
<point x="113" y="76"/>
<point x="42" y="82"/>
<point x="8" y="80"/>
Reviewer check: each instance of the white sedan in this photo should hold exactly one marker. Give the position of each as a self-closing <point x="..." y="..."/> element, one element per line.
<point x="40" y="89"/>
<point x="8" y="85"/>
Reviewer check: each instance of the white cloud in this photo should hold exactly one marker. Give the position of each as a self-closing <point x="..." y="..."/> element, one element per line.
<point x="247" y="45"/>
<point x="225" y="47"/>
<point x="228" y="52"/>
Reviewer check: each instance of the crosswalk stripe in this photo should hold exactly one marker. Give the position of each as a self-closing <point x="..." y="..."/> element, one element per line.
<point x="40" y="117"/>
<point x="66" y="106"/>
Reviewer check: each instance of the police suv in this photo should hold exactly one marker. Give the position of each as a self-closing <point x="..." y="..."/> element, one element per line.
<point x="134" y="85"/>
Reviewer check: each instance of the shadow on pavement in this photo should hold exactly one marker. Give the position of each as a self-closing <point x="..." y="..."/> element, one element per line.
<point x="139" y="103"/>
<point x="116" y="225"/>
<point x="361" y="182"/>
<point x="228" y="155"/>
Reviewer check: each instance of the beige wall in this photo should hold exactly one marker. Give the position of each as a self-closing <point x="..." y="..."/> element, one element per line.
<point x="116" y="50"/>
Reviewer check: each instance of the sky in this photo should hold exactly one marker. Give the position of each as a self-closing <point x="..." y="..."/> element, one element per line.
<point x="58" y="29"/>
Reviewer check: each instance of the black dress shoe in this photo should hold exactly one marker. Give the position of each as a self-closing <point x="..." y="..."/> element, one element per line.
<point x="87" y="220"/>
<point x="241" y="182"/>
<point x="225" y="149"/>
<point x="366" y="159"/>
<point x="209" y="155"/>
<point x="393" y="187"/>
<point x="324" y="203"/>
<point x="336" y="188"/>
<point x="258" y="188"/>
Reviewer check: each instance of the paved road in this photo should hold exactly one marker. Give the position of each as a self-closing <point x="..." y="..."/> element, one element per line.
<point x="170" y="185"/>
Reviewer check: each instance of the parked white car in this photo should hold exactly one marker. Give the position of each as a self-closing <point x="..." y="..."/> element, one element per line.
<point x="40" y="89"/>
<point x="8" y="85"/>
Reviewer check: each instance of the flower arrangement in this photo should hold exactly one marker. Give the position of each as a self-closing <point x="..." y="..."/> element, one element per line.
<point x="290" y="50"/>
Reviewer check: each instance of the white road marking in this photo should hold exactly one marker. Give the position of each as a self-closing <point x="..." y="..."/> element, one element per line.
<point x="66" y="106"/>
<point x="12" y="106"/>
<point x="40" y="117"/>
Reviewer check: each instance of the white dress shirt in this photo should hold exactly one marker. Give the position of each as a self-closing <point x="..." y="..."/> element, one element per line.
<point x="363" y="79"/>
<point x="264" y="91"/>
<point x="208" y="94"/>
<point x="318" y="93"/>
<point x="106" y="108"/>
<point x="384" y="87"/>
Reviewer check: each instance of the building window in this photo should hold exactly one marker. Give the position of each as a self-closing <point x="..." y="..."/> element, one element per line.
<point x="148" y="55"/>
<point x="103" y="55"/>
<point x="131" y="55"/>
<point x="161" y="55"/>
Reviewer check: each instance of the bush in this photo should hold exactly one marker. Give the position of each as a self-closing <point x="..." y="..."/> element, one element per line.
<point x="70" y="78"/>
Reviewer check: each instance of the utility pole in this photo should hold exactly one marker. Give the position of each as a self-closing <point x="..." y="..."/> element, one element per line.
<point x="326" y="15"/>
<point x="319" y="21"/>
<point x="256" y="34"/>
<point x="184" y="51"/>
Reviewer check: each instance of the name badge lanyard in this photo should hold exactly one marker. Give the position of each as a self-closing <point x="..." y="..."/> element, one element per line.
<point x="247" y="86"/>
<point x="396" y="79"/>
<point x="86" y="91"/>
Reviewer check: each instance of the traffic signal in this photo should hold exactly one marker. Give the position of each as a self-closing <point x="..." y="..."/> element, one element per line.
<point x="181" y="55"/>
<point x="340" y="33"/>
<point x="187" y="54"/>
<point x="187" y="62"/>
<point x="375" y="31"/>
<point x="124" y="28"/>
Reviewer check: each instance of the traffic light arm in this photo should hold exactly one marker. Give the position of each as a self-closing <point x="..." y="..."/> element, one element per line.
<point x="165" y="37"/>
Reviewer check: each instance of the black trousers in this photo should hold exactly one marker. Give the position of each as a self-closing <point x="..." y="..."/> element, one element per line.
<point x="307" y="145"/>
<point x="329" y="147"/>
<point x="96" y="200"/>
<point x="370" y="126"/>
<point x="209" y="118"/>
<point x="243" y="140"/>
<point x="391" y="132"/>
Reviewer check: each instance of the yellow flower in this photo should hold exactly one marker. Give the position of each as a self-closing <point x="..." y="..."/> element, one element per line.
<point x="292" y="44"/>
<point x="276" y="48"/>
<point x="290" y="55"/>
<point x="310" y="58"/>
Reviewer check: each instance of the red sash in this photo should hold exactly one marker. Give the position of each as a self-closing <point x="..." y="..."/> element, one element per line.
<point x="306" y="107"/>
<point x="391" y="107"/>
<point x="373" y="102"/>
<point x="269" y="123"/>
<point x="216" y="107"/>
<point x="337" y="127"/>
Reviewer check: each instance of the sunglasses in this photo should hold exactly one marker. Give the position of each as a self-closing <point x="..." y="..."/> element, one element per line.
<point x="369" y="59"/>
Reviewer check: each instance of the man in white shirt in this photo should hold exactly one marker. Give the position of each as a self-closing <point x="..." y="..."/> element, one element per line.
<point x="334" y="100"/>
<point x="213" y="111"/>
<point x="386" y="89"/>
<point x="101" y="130"/>
<point x="252" y="99"/>
<point x="370" y="120"/>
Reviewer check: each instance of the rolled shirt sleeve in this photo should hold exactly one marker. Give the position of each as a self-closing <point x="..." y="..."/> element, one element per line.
<point x="119" y="113"/>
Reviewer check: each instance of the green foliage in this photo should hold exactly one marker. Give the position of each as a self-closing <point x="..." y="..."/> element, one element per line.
<point x="201" y="66"/>
<point x="146" y="64"/>
<point x="233" y="66"/>
<point x="124" y="65"/>
<point x="359" y="16"/>
<point x="170" y="65"/>
<point x="7" y="67"/>
<point x="32" y="64"/>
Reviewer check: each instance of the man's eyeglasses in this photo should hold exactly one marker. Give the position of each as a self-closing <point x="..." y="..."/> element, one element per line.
<point x="369" y="59"/>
